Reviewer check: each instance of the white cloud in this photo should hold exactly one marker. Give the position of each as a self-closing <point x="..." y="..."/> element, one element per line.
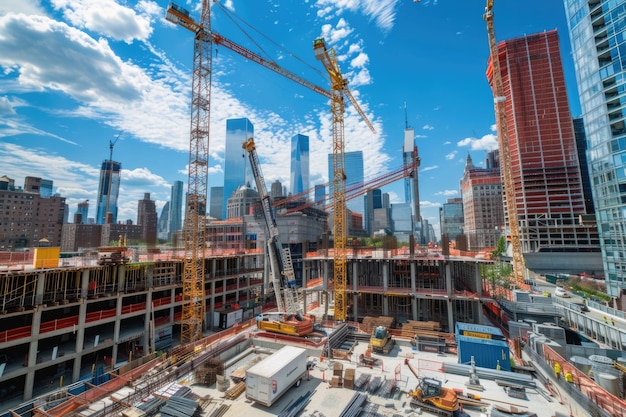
<point x="429" y="168"/>
<point x="108" y="18"/>
<point x="21" y="6"/>
<point x="5" y="106"/>
<point x="382" y="12"/>
<point x="488" y="142"/>
<point x="447" y="193"/>
<point x="428" y="127"/>
<point x="451" y="155"/>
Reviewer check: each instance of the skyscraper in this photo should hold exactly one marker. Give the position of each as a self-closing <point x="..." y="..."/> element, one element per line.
<point x="411" y="184"/>
<point x="163" y="231"/>
<point x="237" y="170"/>
<point x="39" y="186"/>
<point x="176" y="208"/>
<point x="83" y="211"/>
<point x="320" y="194"/>
<point x="215" y="202"/>
<point x="597" y="42"/>
<point x="354" y="177"/>
<point x="108" y="191"/>
<point x="483" y="204"/>
<point x="451" y="219"/>
<point x="373" y="200"/>
<point x="544" y="159"/>
<point x="299" y="164"/>
<point x="147" y="219"/>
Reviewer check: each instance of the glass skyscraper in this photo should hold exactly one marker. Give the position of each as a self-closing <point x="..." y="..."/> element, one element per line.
<point x="176" y="208"/>
<point x="596" y="32"/>
<point x="353" y="162"/>
<point x="299" y="164"/>
<point x="108" y="190"/>
<point x="237" y="170"/>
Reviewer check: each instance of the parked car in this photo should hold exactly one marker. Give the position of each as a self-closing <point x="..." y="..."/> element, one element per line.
<point x="560" y="292"/>
<point x="581" y="306"/>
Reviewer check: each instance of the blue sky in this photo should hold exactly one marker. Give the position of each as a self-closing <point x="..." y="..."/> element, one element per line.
<point x="75" y="74"/>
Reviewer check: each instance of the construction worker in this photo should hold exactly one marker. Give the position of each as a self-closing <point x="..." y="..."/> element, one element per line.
<point x="557" y="370"/>
<point x="612" y="321"/>
<point x="569" y="377"/>
<point x="605" y="320"/>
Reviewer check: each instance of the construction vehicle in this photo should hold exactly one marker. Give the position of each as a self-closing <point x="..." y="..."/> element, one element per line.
<point x="290" y="319"/>
<point x="431" y="396"/>
<point x="499" y="100"/>
<point x="381" y="340"/>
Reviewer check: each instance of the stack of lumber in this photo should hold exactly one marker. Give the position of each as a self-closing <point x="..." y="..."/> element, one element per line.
<point x="235" y="391"/>
<point x="370" y="323"/>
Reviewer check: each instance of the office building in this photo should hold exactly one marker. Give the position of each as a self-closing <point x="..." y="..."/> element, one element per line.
<point x="108" y="192"/>
<point x="147" y="218"/>
<point x="216" y="201"/>
<point x="411" y="157"/>
<point x="320" y="194"/>
<point x="353" y="169"/>
<point x="237" y="171"/>
<point x="163" y="231"/>
<point x="176" y="208"/>
<point x="451" y="220"/>
<point x="276" y="190"/>
<point x="299" y="164"/>
<point x="596" y="31"/>
<point x="38" y="186"/>
<point x="27" y="218"/>
<point x="373" y="200"/>
<point x="242" y="201"/>
<point x="483" y="204"/>
<point x="83" y="212"/>
<point x="545" y="168"/>
<point x="402" y="221"/>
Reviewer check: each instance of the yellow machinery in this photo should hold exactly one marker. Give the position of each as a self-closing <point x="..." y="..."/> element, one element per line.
<point x="499" y="100"/>
<point x="381" y="340"/>
<point x="430" y="395"/>
<point x="290" y="319"/>
<point x="339" y="88"/>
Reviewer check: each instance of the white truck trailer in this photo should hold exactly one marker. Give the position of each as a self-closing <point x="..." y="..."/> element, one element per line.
<point x="267" y="380"/>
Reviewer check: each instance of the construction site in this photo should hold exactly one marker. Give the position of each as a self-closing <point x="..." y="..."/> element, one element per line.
<point x="362" y="332"/>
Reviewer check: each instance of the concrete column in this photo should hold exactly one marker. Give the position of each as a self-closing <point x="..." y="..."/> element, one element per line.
<point x="150" y="276"/>
<point x="116" y="330"/>
<point x="326" y="266"/>
<point x="448" y="279"/>
<point x="413" y="288"/>
<point x="146" y="323"/>
<point x="121" y="277"/>
<point x="32" y="354"/>
<point x="84" y="284"/>
<point x="80" y="339"/>
<point x="385" y="267"/>
<point x="449" y="307"/>
<point x="212" y="303"/>
<point x="355" y="287"/>
<point x="478" y="280"/>
<point x="41" y="280"/>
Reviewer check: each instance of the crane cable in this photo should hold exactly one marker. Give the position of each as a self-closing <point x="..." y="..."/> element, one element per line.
<point x="232" y="17"/>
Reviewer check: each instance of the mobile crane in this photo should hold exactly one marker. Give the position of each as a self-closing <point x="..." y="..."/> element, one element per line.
<point x="289" y="319"/>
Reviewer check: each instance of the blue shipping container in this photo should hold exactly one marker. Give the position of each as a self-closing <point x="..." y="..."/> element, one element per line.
<point x="487" y="353"/>
<point x="479" y="331"/>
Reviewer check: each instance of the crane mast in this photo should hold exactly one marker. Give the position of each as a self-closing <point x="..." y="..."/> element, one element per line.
<point x="281" y="266"/>
<point x="193" y="306"/>
<point x="339" y="87"/>
<point x="505" y="152"/>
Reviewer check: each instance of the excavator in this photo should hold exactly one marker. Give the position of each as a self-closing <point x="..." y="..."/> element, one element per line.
<point x="289" y="319"/>
<point x="381" y="340"/>
<point x="431" y="396"/>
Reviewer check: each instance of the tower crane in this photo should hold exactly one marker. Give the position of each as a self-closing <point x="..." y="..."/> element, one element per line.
<point x="499" y="100"/>
<point x="339" y="88"/>
<point x="291" y="319"/>
<point x="195" y="219"/>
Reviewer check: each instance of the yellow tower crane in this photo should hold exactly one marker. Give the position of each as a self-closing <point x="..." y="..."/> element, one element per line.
<point x="339" y="88"/>
<point x="195" y="219"/>
<point x="499" y="100"/>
